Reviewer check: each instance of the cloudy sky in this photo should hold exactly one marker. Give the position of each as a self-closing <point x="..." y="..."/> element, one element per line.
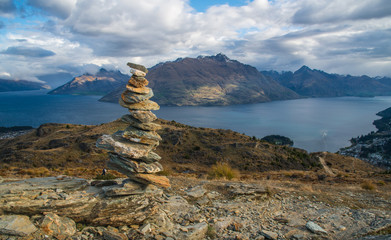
<point x="51" y="36"/>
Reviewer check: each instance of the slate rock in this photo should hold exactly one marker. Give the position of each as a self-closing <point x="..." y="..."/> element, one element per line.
<point x="142" y="90"/>
<point x="17" y="225"/>
<point x="115" y="143"/>
<point x="315" y="228"/>
<point x="138" y="82"/>
<point x="140" y="136"/>
<point x="138" y="67"/>
<point x="132" y="97"/>
<point x="143" y="116"/>
<point x="149" y="126"/>
<point x="269" y="234"/>
<point x="147" y="105"/>
<point x="135" y="166"/>
<point x="195" y="192"/>
<point x="57" y="226"/>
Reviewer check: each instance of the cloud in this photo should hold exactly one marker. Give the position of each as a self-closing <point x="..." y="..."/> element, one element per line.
<point x="61" y="9"/>
<point x="325" y="11"/>
<point x="35" y="52"/>
<point x="336" y="36"/>
<point x="7" y="7"/>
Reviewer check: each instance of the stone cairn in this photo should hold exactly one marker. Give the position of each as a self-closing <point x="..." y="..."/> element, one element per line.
<point x="131" y="150"/>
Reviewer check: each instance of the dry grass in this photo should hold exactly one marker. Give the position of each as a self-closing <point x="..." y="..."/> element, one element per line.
<point x="223" y="170"/>
<point x="368" y="185"/>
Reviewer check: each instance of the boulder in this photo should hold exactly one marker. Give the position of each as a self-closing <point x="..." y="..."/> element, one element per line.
<point x="17" y="225"/>
<point x="85" y="203"/>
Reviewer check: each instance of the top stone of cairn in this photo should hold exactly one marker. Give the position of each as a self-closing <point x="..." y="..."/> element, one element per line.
<point x="138" y="67"/>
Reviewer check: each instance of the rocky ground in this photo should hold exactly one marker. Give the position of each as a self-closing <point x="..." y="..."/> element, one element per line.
<point x="73" y="208"/>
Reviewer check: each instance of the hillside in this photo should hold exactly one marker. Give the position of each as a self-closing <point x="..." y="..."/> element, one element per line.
<point x="212" y="80"/>
<point x="289" y="193"/>
<point x="93" y="84"/>
<point x="20" y="85"/>
<point x="375" y="147"/>
<point x="315" y="83"/>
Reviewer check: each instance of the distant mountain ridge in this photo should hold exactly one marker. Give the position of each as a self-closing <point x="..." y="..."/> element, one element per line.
<point x="316" y="83"/>
<point x="100" y="83"/>
<point x="20" y="85"/>
<point x="211" y="80"/>
<point x="218" y="80"/>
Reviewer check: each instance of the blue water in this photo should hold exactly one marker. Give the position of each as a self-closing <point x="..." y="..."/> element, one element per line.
<point x="314" y="124"/>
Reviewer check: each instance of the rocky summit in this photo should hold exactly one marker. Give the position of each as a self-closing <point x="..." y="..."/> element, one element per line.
<point x="131" y="150"/>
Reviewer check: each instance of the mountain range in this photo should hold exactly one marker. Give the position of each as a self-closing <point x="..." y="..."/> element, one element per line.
<point x="218" y="80"/>
<point x="315" y="83"/>
<point x="20" y="85"/>
<point x="93" y="84"/>
<point x="211" y="80"/>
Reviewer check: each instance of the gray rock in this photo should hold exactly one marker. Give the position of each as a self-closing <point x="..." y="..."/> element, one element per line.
<point x="143" y="116"/>
<point x="140" y="125"/>
<point x="269" y="234"/>
<point x="17" y="225"/>
<point x="132" y="97"/>
<point x="194" y="232"/>
<point x="115" y="143"/>
<point x="85" y="203"/>
<point x="315" y="228"/>
<point x="246" y="189"/>
<point x="196" y="192"/>
<point x="133" y="166"/>
<point x="138" y="67"/>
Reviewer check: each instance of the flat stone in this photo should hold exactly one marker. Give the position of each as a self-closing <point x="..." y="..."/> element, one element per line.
<point x="136" y="166"/>
<point x="138" y="82"/>
<point x="143" y="116"/>
<point x="315" y="228"/>
<point x="140" y="136"/>
<point x="17" y="225"/>
<point x="269" y="234"/>
<point x="147" y="105"/>
<point x="115" y="143"/>
<point x="142" y="90"/>
<point x="57" y="226"/>
<point x="131" y="97"/>
<point x="137" y="73"/>
<point x="196" y="192"/>
<point x="160" y="181"/>
<point x="137" y="67"/>
<point x="130" y="188"/>
<point x="151" y="157"/>
<point x="140" y="125"/>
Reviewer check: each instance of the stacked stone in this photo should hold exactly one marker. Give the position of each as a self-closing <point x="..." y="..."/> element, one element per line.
<point x="131" y="150"/>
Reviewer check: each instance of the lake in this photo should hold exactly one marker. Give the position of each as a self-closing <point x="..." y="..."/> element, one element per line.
<point x="314" y="124"/>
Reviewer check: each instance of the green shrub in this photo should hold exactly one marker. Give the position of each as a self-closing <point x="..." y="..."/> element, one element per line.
<point x="223" y="170"/>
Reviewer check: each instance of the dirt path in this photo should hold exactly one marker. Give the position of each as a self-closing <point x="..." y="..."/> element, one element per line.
<point x="326" y="168"/>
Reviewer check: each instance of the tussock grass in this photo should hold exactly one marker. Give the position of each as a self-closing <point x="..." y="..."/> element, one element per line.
<point x="368" y="185"/>
<point x="223" y="170"/>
